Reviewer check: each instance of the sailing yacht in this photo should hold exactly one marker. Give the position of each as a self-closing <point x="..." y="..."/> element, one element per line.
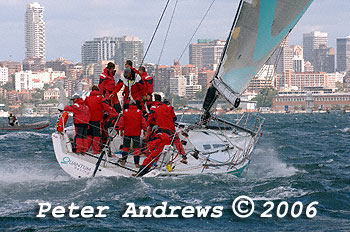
<point x="226" y="147"/>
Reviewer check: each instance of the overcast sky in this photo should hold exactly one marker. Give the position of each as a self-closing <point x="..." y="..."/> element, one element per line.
<point x="70" y="22"/>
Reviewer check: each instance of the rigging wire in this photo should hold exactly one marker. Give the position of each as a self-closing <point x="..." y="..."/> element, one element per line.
<point x="188" y="44"/>
<point x="155" y="31"/>
<point x="167" y="32"/>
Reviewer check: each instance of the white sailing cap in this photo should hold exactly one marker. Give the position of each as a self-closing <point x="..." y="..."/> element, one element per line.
<point x="60" y="107"/>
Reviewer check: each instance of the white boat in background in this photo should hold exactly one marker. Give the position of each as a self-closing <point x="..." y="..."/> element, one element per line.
<point x="226" y="147"/>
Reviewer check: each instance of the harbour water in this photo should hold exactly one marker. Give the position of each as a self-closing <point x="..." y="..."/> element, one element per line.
<point x="300" y="157"/>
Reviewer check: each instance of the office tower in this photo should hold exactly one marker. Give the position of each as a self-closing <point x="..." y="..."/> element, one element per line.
<point x="298" y="64"/>
<point x="343" y="54"/>
<point x="324" y="58"/>
<point x="129" y="48"/>
<point x="312" y="41"/>
<point x="283" y="57"/>
<point x="117" y="49"/>
<point x="98" y="49"/>
<point x="35" y="32"/>
<point x="206" y="53"/>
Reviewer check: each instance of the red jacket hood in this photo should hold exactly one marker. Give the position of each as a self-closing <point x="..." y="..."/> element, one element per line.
<point x="79" y="101"/>
<point x="107" y="73"/>
<point x="143" y="75"/>
<point x="94" y="93"/>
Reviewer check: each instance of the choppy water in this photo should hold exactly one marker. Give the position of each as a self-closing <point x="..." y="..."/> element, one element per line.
<point x="299" y="158"/>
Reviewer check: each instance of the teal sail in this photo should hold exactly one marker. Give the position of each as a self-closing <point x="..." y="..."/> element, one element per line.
<point x="259" y="28"/>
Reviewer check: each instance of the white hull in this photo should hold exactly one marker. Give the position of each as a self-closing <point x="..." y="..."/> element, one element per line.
<point x="220" y="151"/>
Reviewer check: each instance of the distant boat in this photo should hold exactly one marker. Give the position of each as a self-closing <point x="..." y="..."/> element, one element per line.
<point x="31" y="126"/>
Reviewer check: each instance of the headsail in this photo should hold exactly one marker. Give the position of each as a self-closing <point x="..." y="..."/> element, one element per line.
<point x="259" y="28"/>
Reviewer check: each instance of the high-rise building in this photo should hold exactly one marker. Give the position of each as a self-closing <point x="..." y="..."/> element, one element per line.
<point x="129" y="48"/>
<point x="35" y="31"/>
<point x="312" y="41"/>
<point x="343" y="54"/>
<point x="117" y="49"/>
<point x="206" y="53"/>
<point x="98" y="49"/>
<point x="161" y="78"/>
<point x="298" y="63"/>
<point x="323" y="59"/>
<point x="284" y="56"/>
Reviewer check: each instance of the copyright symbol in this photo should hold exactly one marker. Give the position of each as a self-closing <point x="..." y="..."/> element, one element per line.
<point x="243" y="212"/>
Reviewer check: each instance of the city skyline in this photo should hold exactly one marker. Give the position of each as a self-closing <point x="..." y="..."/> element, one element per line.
<point x="69" y="25"/>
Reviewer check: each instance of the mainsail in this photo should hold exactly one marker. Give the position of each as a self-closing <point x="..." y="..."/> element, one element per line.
<point x="258" y="29"/>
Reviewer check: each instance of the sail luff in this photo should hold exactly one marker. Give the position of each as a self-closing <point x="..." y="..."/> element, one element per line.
<point x="211" y="94"/>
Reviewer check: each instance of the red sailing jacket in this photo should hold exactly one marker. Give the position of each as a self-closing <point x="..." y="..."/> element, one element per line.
<point x="132" y="121"/>
<point x="136" y="86"/>
<point x="97" y="106"/>
<point x="163" y="116"/>
<point x="81" y="112"/>
<point x="151" y="117"/>
<point x="107" y="82"/>
<point x="62" y="122"/>
<point x="148" y="81"/>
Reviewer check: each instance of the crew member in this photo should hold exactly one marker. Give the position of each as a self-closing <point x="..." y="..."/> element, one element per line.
<point x="97" y="106"/>
<point x="81" y="118"/>
<point x="150" y="123"/>
<point x="156" y="146"/>
<point x="134" y="87"/>
<point x="62" y="118"/>
<point x="107" y="84"/>
<point x="12" y="120"/>
<point x="128" y="64"/>
<point x="164" y="117"/>
<point x="148" y="82"/>
<point x="131" y="123"/>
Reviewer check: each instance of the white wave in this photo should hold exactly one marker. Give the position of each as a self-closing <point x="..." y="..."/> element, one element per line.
<point x="23" y="135"/>
<point x="29" y="174"/>
<point x="265" y="164"/>
<point x="345" y="130"/>
<point x="281" y="193"/>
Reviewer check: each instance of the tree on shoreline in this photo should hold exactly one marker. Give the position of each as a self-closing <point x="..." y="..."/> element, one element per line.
<point x="264" y="98"/>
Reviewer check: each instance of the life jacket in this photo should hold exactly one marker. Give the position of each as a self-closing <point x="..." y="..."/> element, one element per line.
<point x="132" y="121"/>
<point x="148" y="82"/>
<point x="134" y="89"/>
<point x="81" y="112"/>
<point x="165" y="117"/>
<point x="62" y="121"/>
<point x="94" y="102"/>
<point x="107" y="83"/>
<point x="11" y="119"/>
<point x="151" y="117"/>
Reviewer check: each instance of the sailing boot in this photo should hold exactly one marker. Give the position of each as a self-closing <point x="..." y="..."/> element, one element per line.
<point x="137" y="152"/>
<point x="124" y="157"/>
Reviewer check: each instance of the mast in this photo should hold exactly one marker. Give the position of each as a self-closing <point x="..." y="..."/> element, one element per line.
<point x="212" y="93"/>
